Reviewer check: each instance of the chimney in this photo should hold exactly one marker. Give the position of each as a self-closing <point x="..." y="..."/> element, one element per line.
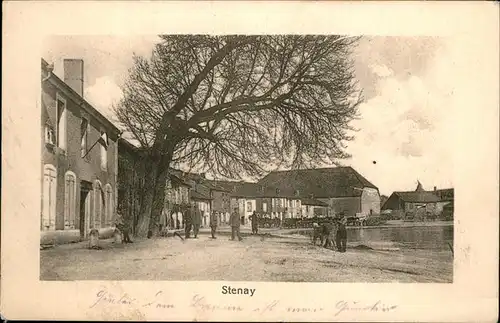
<point x="73" y="74"/>
<point x="435" y="188"/>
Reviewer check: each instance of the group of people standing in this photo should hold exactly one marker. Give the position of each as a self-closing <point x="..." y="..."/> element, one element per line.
<point x="193" y="222"/>
<point x="332" y="233"/>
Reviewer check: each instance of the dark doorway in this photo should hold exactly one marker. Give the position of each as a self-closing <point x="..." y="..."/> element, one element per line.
<point x="85" y="188"/>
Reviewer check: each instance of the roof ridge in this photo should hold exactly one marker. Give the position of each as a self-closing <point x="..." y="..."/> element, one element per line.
<point x="301" y="169"/>
<point x="356" y="174"/>
<point x="361" y="178"/>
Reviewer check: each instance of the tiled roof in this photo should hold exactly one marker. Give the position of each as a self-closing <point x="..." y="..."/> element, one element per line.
<point x="321" y="182"/>
<point x="201" y="192"/>
<point x="247" y="189"/>
<point x="228" y="186"/>
<point x="418" y="197"/>
<point x="196" y="195"/>
<point x="313" y="202"/>
<point x="215" y="186"/>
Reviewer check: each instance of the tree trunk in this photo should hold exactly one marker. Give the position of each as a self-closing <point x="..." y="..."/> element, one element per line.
<point x="158" y="201"/>
<point x="153" y="195"/>
<point x="147" y="199"/>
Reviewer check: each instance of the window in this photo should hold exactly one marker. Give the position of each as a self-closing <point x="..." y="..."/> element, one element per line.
<point x="264" y="207"/>
<point x="50" y="136"/>
<point x="61" y="122"/>
<point x="69" y="200"/>
<point x="249" y="206"/>
<point x="49" y="197"/>
<point x="84" y="137"/>
<point x="104" y="150"/>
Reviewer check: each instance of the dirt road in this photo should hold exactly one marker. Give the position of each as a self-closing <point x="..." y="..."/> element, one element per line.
<point x="253" y="259"/>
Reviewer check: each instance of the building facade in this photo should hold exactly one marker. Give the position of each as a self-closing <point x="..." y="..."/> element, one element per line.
<point x="177" y="202"/>
<point x="342" y="189"/>
<point x="313" y="208"/>
<point x="79" y="160"/>
<point x="419" y="202"/>
<point x="266" y="200"/>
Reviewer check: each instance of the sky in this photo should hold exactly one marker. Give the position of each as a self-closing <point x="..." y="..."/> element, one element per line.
<point x="407" y="84"/>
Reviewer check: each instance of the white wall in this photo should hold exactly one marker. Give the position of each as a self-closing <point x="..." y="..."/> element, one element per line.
<point x="370" y="200"/>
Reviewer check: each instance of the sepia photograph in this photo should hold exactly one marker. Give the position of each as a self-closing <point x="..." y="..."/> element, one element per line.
<point x="271" y="161"/>
<point x="280" y="158"/>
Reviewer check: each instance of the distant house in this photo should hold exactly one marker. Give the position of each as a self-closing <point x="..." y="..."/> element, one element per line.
<point x="200" y="195"/>
<point x="177" y="200"/>
<point x="343" y="189"/>
<point x="220" y="202"/>
<point x="383" y="198"/>
<point x="263" y="199"/>
<point x="312" y="207"/>
<point x="420" y="199"/>
<point x="201" y="198"/>
<point x="221" y="194"/>
<point x="446" y="199"/>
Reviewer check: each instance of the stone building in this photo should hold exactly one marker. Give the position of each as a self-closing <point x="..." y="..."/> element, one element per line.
<point x="79" y="159"/>
<point x="420" y="201"/>
<point x="312" y="207"/>
<point x="343" y="189"/>
<point x="266" y="200"/>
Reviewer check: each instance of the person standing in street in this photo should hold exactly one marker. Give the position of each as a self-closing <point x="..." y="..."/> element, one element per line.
<point x="234" y="221"/>
<point x="196" y="222"/>
<point x="328" y="228"/>
<point x="317" y="233"/>
<point x="213" y="223"/>
<point x="189" y="223"/>
<point x="123" y="226"/>
<point x="342" y="235"/>
<point x="255" y="223"/>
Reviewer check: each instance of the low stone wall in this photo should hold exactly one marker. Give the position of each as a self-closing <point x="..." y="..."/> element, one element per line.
<point x="106" y="233"/>
<point x="57" y="237"/>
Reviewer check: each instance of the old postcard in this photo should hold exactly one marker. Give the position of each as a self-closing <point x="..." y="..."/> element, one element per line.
<point x="213" y="161"/>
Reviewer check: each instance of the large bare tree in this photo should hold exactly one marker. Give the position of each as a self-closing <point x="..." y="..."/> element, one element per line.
<point x="233" y="105"/>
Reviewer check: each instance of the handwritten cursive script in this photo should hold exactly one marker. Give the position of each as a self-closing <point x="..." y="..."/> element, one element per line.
<point x="353" y="306"/>
<point x="201" y="303"/>
<point x="104" y="297"/>
<point x="157" y="300"/>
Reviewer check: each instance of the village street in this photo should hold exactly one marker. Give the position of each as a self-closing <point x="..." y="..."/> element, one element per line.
<point x="256" y="258"/>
